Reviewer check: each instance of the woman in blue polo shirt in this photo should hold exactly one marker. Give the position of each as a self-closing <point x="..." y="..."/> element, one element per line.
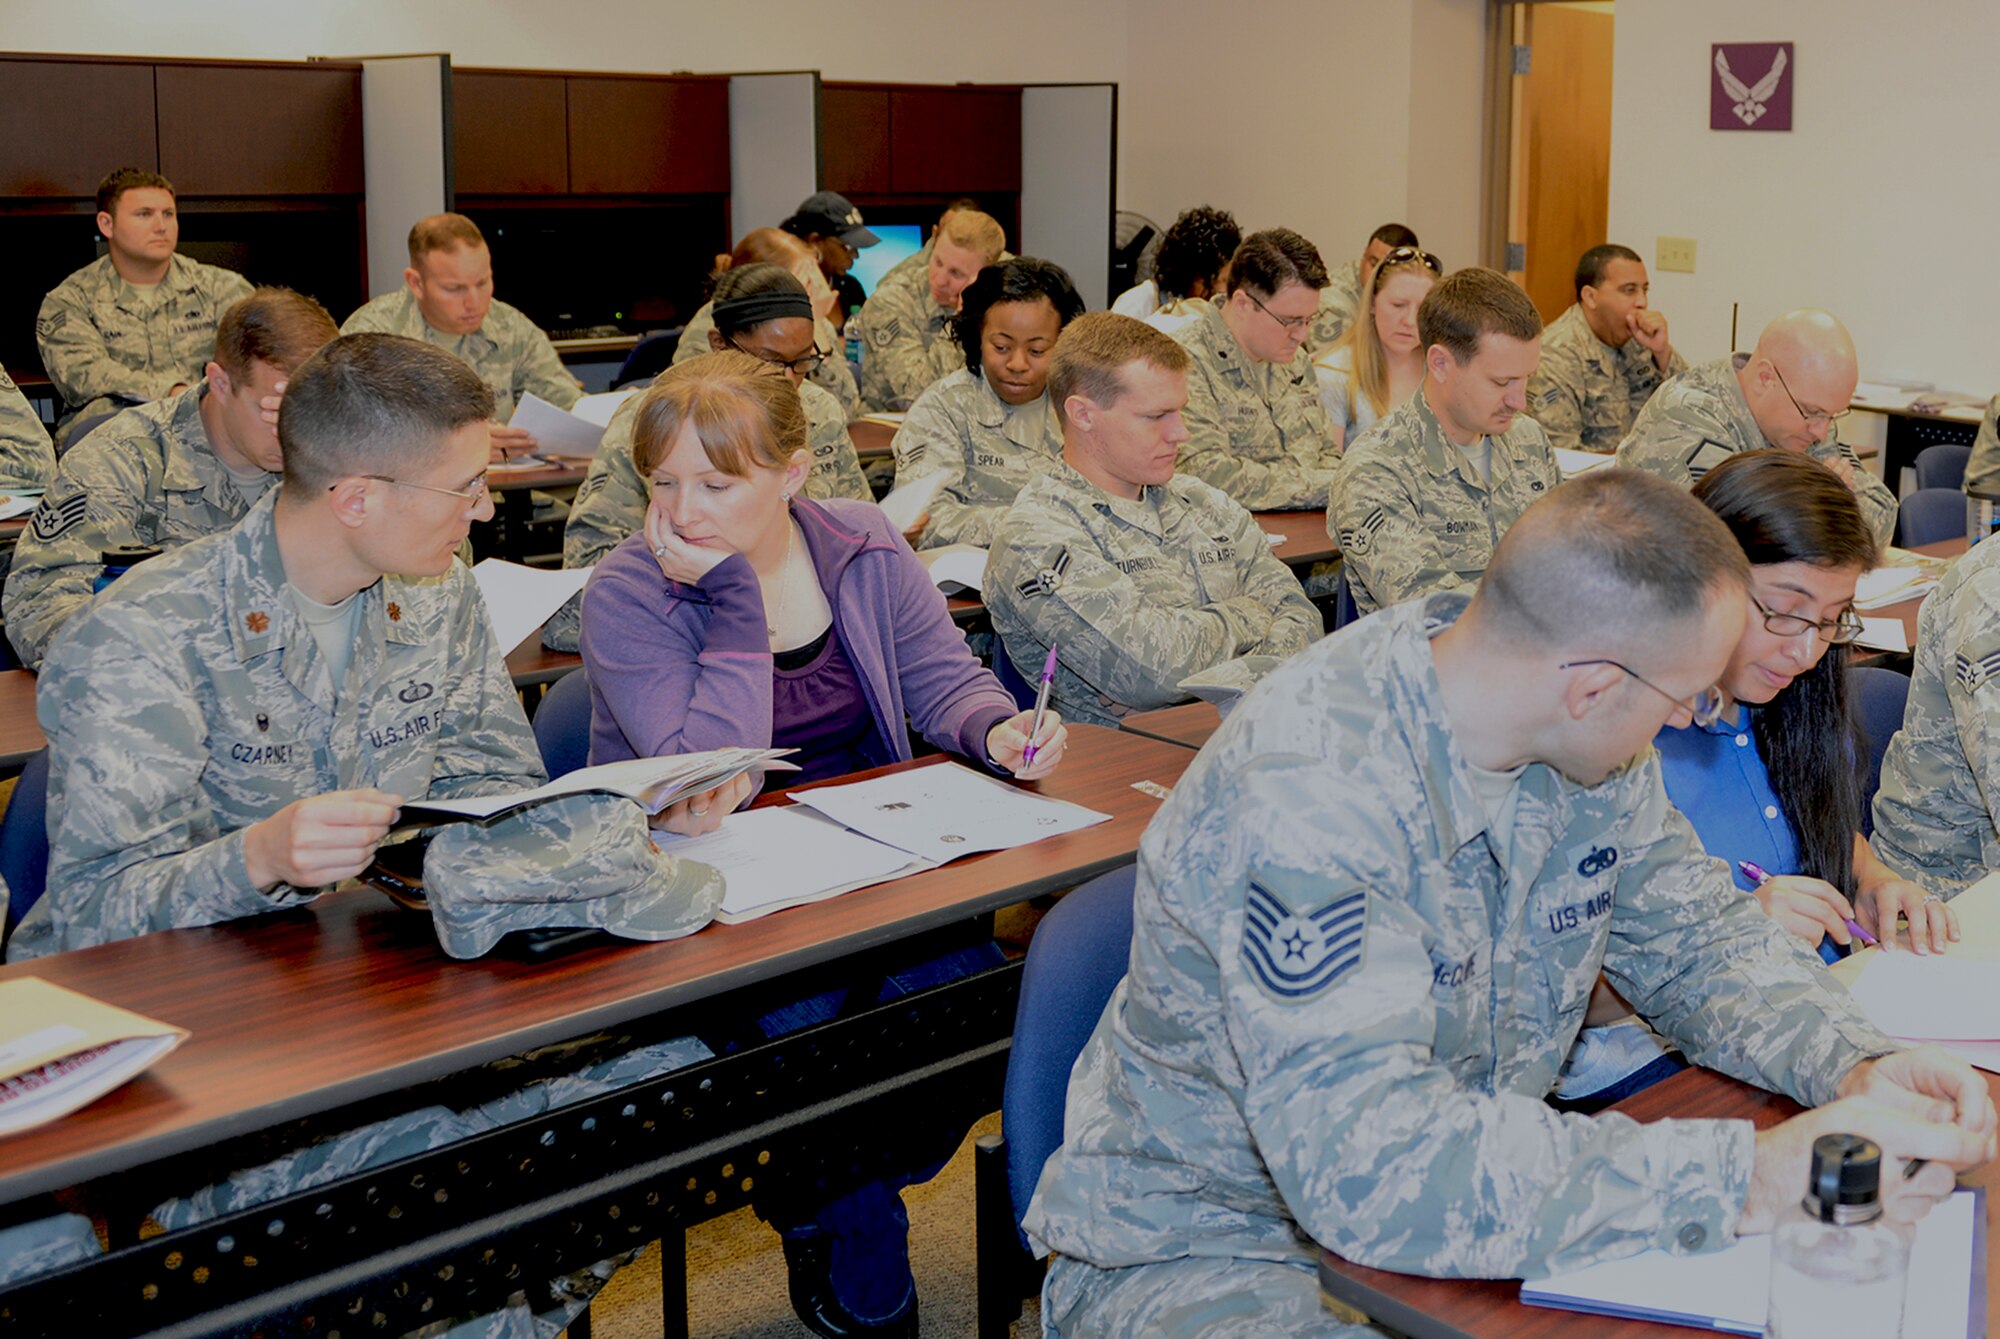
<point x="1773" y="783"/>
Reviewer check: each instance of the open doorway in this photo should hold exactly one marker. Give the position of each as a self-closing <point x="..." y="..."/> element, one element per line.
<point x="1549" y="143"/>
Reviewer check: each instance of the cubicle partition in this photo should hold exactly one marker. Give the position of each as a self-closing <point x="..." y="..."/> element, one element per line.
<point x="774" y="161"/>
<point x="1069" y="174"/>
<point x="406" y="154"/>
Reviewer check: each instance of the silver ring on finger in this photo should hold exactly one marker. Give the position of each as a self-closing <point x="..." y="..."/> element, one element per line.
<point x="698" y="813"/>
<point x="659" y="550"/>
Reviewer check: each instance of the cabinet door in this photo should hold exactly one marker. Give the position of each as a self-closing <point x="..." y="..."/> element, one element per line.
<point x="507" y="134"/>
<point x="69" y="122"/>
<point x="854" y="140"/>
<point x="250" y="130"/>
<point x="953" y="140"/>
<point x="648" y="136"/>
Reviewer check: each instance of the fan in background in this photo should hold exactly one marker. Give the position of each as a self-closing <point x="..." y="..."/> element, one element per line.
<point x="1135" y="241"/>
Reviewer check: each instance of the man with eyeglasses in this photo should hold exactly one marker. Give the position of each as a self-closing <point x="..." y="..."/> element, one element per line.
<point x="165" y="473"/>
<point x="447" y="300"/>
<point x="1426" y="492"/>
<point x="1340" y="299"/>
<point x="1365" y="929"/>
<point x="759" y="310"/>
<point x="1604" y="357"/>
<point x="1256" y="427"/>
<point x="1790" y="392"/>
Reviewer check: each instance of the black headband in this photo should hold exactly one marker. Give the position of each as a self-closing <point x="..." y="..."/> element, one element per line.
<point x="740" y="313"/>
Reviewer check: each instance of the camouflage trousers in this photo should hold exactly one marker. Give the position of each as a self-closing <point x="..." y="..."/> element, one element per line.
<point x="1193" y="1298"/>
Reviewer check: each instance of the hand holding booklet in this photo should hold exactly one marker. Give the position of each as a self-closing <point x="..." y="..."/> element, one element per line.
<point x="652" y="783"/>
<point x="60" y="1050"/>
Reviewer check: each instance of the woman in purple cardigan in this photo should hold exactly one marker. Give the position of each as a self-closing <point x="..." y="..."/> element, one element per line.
<point x="744" y="614"/>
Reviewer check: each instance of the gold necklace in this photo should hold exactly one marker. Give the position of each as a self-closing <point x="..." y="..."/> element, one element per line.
<point x="784" y="581"/>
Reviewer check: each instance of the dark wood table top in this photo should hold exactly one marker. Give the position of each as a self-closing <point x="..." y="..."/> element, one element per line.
<point x="1190" y="724"/>
<point x="20" y="733"/>
<point x="1306" y="539"/>
<point x="531" y="663"/>
<point x="872" y="441"/>
<point x="1476" y="1309"/>
<point x="305" y="1010"/>
<point x="562" y="472"/>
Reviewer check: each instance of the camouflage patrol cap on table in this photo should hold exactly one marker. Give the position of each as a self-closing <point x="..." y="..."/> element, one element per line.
<point x="583" y="861"/>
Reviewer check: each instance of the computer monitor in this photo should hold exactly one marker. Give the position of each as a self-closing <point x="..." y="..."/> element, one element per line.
<point x="636" y="266"/>
<point x="899" y="241"/>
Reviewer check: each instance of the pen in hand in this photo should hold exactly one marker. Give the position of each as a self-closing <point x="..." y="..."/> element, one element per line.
<point x="1757" y="874"/>
<point x="1041" y="705"/>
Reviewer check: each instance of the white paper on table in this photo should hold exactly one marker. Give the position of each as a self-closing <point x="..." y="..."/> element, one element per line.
<point x="1572" y="463"/>
<point x="1730" y="1289"/>
<point x="947" y="811"/>
<point x="1891" y="585"/>
<point x="908" y="501"/>
<point x="557" y="431"/>
<point x="1884" y="634"/>
<point x="520" y="599"/>
<point x="1274" y="538"/>
<point x="888" y="418"/>
<point x="771" y="859"/>
<point x="600" y="407"/>
<point x="1936" y="997"/>
<point x="956" y="568"/>
<point x="13" y="505"/>
<point x="1881" y="395"/>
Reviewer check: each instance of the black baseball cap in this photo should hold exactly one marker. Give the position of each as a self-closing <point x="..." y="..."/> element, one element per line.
<point x="831" y="214"/>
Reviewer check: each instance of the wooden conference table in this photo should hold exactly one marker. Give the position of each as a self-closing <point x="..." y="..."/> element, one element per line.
<point x="343" y="1006"/>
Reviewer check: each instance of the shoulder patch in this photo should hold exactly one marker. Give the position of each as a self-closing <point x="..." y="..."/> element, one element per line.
<point x="1362" y="537"/>
<point x="889" y="330"/>
<point x="592" y="483"/>
<point x="53" y="519"/>
<point x="1049" y="579"/>
<point x="1294" y="957"/>
<point x="51" y="323"/>
<point x="1973" y="675"/>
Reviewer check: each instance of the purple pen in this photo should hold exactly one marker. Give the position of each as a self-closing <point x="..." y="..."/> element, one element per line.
<point x="1758" y="874"/>
<point x="1041" y="705"/>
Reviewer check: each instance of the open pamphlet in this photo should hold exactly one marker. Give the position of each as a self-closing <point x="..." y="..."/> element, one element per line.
<point x="1950" y="998"/>
<point x="520" y="599"/>
<point x="60" y="1050"/>
<point x="906" y="503"/>
<point x="652" y="783"/>
<point x="558" y="432"/>
<point x="956" y="568"/>
<point x="1571" y="462"/>
<point x="1730" y="1289"/>
<point x="788" y="856"/>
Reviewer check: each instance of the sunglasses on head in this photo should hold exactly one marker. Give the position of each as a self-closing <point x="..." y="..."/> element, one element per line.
<point x="1408" y="255"/>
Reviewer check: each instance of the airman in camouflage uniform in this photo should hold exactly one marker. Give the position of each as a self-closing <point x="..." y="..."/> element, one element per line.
<point x="1355" y="970"/>
<point x="1586" y="394"/>
<point x="106" y="345"/>
<point x="1257" y="430"/>
<point x="987" y="448"/>
<point x="1137" y="595"/>
<point x="907" y="344"/>
<point x="611" y="501"/>
<point x="833" y="375"/>
<point x="1934" y="818"/>
<point x="1982" y="467"/>
<point x="508" y="351"/>
<point x="1702" y="416"/>
<point x="1410" y="512"/>
<point x="27" y="457"/>
<point x="1338" y="302"/>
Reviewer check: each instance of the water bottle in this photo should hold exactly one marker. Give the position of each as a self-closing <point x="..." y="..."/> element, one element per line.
<point x="1982" y="516"/>
<point x="117" y="562"/>
<point x="851" y="333"/>
<point x="1837" y="1266"/>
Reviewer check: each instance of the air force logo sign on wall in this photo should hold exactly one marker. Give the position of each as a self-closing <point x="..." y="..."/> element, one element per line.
<point x="1295" y="956"/>
<point x="1750" y="86"/>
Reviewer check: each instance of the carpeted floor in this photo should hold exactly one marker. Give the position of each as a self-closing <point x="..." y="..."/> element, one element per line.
<point x="736" y="1272"/>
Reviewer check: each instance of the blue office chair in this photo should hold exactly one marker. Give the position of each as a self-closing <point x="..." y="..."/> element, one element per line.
<point x="1942" y="466"/>
<point x="1011" y="679"/>
<point x="652" y="355"/>
<point x="562" y="724"/>
<point x="83" y="427"/>
<point x="1076" y="959"/>
<point x="1345" y="609"/>
<point x="1879" y="696"/>
<point x="24" y="839"/>
<point x="1929" y="515"/>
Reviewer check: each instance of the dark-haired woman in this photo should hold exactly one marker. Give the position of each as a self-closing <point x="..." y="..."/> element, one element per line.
<point x="990" y="428"/>
<point x="1193" y="262"/>
<point x="773" y="246"/>
<point x="1772" y="783"/>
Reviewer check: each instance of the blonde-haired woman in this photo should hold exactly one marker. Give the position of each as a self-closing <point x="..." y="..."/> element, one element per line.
<point x="1378" y="362"/>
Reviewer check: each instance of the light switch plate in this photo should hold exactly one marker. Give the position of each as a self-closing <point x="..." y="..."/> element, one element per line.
<point x="1676" y="254"/>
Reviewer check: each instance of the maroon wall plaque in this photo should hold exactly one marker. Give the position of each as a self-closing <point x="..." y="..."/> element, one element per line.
<point x="1750" y="86"/>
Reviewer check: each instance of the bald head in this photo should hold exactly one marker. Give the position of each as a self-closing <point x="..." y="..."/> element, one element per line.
<point x="1802" y="372"/>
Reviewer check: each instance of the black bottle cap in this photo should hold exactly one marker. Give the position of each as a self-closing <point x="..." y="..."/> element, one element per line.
<point x="130" y="556"/>
<point x="1846" y="1181"/>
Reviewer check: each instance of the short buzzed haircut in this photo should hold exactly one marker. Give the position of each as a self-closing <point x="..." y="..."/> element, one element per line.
<point x="274" y="326"/>
<point x="1590" y="266"/>
<point x="1268" y="260"/>
<point x="1393" y="235"/>
<point x="1611" y="560"/>
<point x="1467" y="305"/>
<point x="974" y="231"/>
<point x="442" y="232"/>
<point x="374" y="404"/>
<point x="1093" y="351"/>
<point x="124" y="179"/>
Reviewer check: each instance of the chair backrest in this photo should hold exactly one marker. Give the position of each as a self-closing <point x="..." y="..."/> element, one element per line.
<point x="562" y="724"/>
<point x="1942" y="466"/>
<point x="86" y="425"/>
<point x="1929" y="515"/>
<point x="1345" y="610"/>
<point x="1075" y="961"/>
<point x="1879" y="696"/>
<point x="652" y="355"/>
<point x="1011" y="678"/>
<point x="24" y="839"/>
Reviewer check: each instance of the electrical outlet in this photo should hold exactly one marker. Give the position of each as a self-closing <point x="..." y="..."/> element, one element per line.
<point x="1676" y="254"/>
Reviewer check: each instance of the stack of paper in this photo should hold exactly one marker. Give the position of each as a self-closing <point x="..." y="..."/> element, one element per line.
<point x="947" y="811"/>
<point x="1884" y="634"/>
<point x="59" y="1050"/>
<point x="1730" y="1289"/>
<point x="772" y="859"/>
<point x="1892" y="585"/>
<point x="652" y="783"/>
<point x="956" y="568"/>
<point x="558" y="432"/>
<point x="1572" y="463"/>
<point x="1949" y="998"/>
<point x="520" y="599"/>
